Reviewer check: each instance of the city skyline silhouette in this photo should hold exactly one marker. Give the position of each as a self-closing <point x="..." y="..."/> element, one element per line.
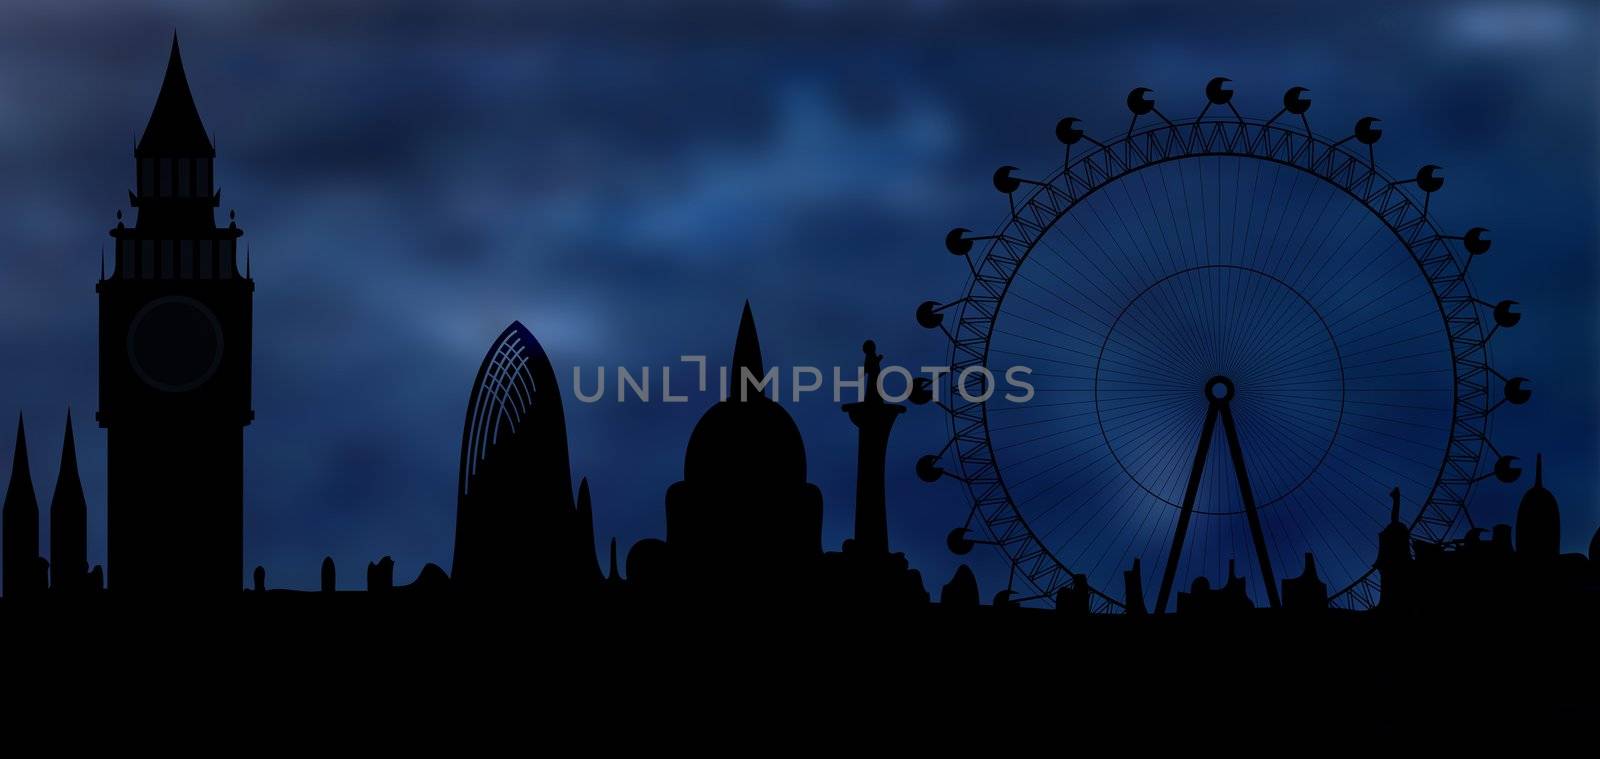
<point x="1308" y="419"/>
<point x="669" y="430"/>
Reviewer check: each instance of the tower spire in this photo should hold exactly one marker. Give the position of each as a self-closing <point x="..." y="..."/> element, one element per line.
<point x="20" y="525"/>
<point x="172" y="250"/>
<point x="69" y="550"/>
<point x="69" y="451"/>
<point x="20" y="477"/>
<point x="175" y="128"/>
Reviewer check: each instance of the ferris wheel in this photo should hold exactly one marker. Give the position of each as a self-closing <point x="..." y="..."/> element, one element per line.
<point x="1241" y="336"/>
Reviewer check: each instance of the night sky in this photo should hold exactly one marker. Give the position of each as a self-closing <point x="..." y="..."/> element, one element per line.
<point x="413" y="176"/>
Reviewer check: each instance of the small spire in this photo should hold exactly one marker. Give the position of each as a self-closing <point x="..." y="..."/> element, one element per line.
<point x="19" y="491"/>
<point x="1394" y="506"/>
<point x="69" y="451"/>
<point x="19" y="457"/>
<point x="746" y="353"/>
<point x="69" y="550"/>
<point x="612" y="575"/>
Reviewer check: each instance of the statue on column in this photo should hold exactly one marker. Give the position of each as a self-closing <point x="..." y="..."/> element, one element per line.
<point x="865" y="571"/>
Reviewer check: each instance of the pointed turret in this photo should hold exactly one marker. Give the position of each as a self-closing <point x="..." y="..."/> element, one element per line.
<point x="176" y="187"/>
<point x="69" y="517"/>
<point x="175" y="129"/>
<point x="746" y="356"/>
<point x="1538" y="519"/>
<point x="19" y="526"/>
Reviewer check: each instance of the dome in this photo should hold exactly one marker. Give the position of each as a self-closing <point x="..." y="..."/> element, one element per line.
<point x="1538" y="518"/>
<point x="752" y="439"/>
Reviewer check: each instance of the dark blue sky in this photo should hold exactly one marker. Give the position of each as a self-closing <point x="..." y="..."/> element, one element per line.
<point x="413" y="176"/>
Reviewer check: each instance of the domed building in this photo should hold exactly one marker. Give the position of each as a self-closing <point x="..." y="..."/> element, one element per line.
<point x="1538" y="520"/>
<point x="744" y="515"/>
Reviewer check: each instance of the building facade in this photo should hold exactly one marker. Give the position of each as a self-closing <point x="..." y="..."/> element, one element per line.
<point x="175" y="360"/>
<point x="517" y="526"/>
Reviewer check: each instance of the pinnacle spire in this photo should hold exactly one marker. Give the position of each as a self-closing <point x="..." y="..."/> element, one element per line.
<point x="69" y="450"/>
<point x="175" y="128"/>
<point x="19" y="458"/>
<point x="69" y="556"/>
<point x="69" y="486"/>
<point x="746" y="352"/>
<point x="20" y="530"/>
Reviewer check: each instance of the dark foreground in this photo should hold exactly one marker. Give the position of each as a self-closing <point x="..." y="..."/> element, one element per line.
<point x="424" y="656"/>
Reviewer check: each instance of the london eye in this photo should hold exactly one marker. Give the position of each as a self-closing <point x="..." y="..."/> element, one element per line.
<point x="1241" y="335"/>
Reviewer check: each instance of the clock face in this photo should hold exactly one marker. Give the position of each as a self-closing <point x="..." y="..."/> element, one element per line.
<point x="175" y="344"/>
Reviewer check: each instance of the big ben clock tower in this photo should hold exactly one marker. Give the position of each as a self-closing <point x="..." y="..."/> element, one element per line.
<point x="175" y="367"/>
